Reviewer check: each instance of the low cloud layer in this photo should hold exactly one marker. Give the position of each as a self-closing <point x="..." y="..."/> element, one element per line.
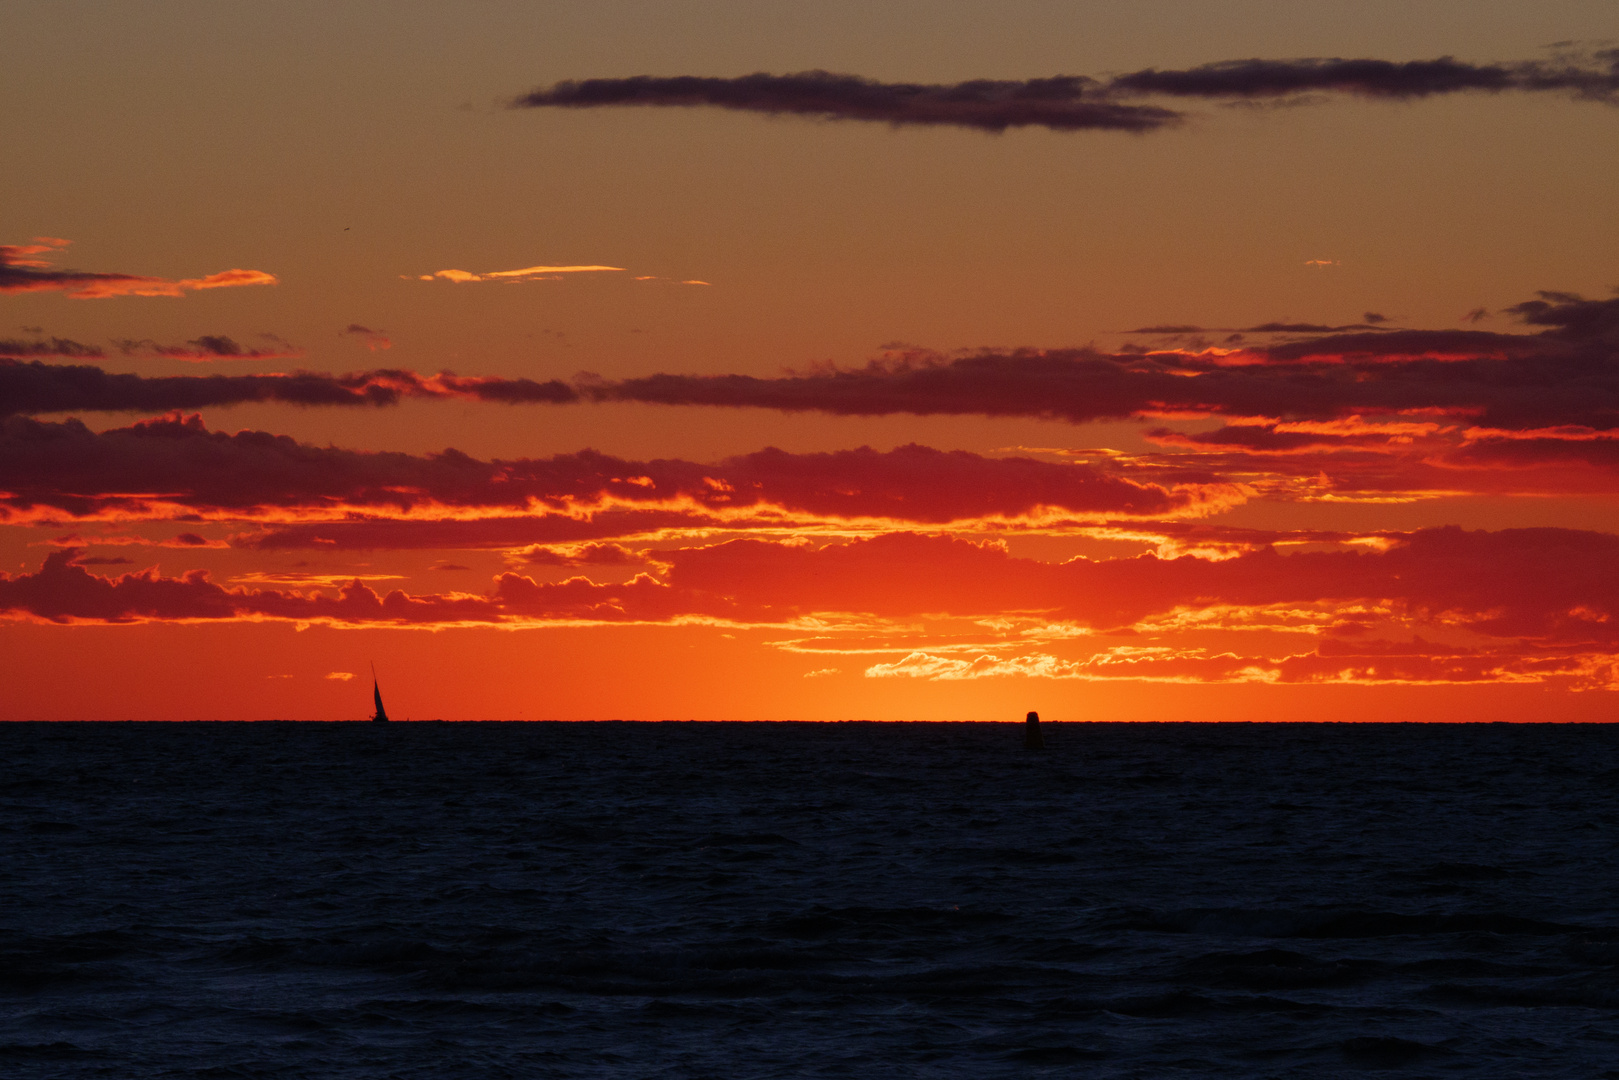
<point x="1080" y="103"/>
<point x="23" y="270"/>
<point x="1437" y="605"/>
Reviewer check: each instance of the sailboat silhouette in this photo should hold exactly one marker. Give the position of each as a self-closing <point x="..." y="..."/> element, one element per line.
<point x="381" y="716"/>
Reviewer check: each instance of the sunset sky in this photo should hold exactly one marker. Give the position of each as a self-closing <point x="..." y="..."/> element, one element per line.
<point x="1173" y="360"/>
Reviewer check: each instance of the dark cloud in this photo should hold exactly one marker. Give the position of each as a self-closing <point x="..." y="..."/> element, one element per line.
<point x="1259" y="439"/>
<point x="1571" y="317"/>
<point x="14" y="349"/>
<point x="1567" y="374"/>
<point x="210" y="347"/>
<point x="68" y="468"/>
<point x="35" y="387"/>
<point x="1370" y="78"/>
<point x="1078" y="103"/>
<point x="1063" y="103"/>
<point x="1593" y="77"/>
<point x="1325" y="378"/>
<point x="1278" y="327"/>
<point x="1307" y="328"/>
<point x="1564" y="373"/>
<point x="1576" y="449"/>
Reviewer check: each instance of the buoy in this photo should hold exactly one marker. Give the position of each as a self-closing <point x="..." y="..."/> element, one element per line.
<point x="1031" y="733"/>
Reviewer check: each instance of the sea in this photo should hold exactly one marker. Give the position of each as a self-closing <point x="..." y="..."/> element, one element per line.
<point x="685" y="900"/>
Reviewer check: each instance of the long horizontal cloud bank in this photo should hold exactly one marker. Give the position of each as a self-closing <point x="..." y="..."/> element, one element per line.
<point x="64" y="468"/>
<point x="1520" y="605"/>
<point x="1076" y="102"/>
<point x="1550" y="586"/>
<point x="1566" y="373"/>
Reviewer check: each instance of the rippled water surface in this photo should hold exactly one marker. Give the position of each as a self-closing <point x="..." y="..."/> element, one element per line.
<point x="783" y="900"/>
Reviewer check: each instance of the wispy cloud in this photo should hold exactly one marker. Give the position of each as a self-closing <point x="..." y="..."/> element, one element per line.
<point x="15" y="348"/>
<point x="527" y="273"/>
<point x="22" y="270"/>
<point x="211" y="347"/>
<point x="375" y="340"/>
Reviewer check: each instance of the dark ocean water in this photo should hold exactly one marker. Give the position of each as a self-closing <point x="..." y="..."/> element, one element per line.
<point x="784" y="900"/>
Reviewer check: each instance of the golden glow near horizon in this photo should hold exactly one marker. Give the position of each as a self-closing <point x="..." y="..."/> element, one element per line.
<point x="1148" y="407"/>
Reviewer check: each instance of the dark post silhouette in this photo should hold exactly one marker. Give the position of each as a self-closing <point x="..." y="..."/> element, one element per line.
<point x="1031" y="733"/>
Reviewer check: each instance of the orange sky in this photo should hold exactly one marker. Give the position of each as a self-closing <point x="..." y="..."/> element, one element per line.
<point x="779" y="402"/>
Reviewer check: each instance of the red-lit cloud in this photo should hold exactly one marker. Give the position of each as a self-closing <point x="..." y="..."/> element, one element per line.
<point x="21" y="270"/>
<point x="1437" y="605"/>
<point x="174" y="462"/>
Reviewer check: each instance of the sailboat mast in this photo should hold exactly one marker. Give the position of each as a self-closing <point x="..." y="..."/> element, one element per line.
<point x="381" y="715"/>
